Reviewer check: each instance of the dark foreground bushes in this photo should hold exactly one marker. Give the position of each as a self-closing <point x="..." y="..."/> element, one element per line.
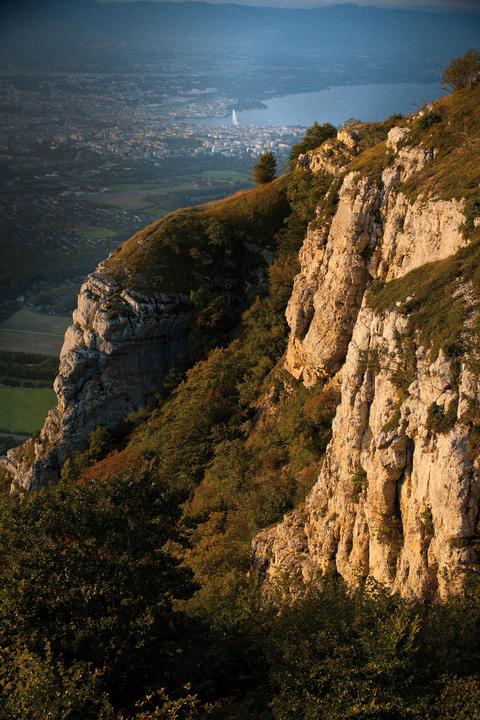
<point x="91" y="626"/>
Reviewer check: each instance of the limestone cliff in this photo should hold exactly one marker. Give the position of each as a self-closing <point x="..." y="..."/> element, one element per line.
<point x="174" y="289"/>
<point x="114" y="355"/>
<point x="398" y="495"/>
<point x="377" y="232"/>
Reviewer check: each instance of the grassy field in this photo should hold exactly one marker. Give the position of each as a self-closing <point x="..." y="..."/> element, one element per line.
<point x="228" y="176"/>
<point x="135" y="197"/>
<point x="97" y="233"/>
<point x="29" y="331"/>
<point x="158" y="212"/>
<point x="159" y="197"/>
<point x="23" y="410"/>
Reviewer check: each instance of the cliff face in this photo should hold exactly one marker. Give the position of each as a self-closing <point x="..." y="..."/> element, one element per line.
<point x="115" y="353"/>
<point x="398" y="496"/>
<point x="377" y="232"/>
<point x="135" y="316"/>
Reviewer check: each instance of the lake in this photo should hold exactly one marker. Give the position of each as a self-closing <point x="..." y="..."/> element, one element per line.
<point x="339" y="103"/>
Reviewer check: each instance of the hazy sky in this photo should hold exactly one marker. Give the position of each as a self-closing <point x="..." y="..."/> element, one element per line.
<point x="470" y="4"/>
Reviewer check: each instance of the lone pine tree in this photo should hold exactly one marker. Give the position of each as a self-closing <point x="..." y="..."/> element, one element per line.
<point x="265" y="169"/>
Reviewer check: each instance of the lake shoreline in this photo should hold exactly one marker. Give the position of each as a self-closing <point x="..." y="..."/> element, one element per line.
<point x="369" y="102"/>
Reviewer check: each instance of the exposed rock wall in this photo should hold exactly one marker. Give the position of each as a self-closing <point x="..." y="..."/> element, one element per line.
<point x="377" y="232"/>
<point x="328" y="291"/>
<point x="117" y="335"/>
<point x="396" y="499"/>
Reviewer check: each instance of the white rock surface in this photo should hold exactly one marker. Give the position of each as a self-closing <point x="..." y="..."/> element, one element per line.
<point x="377" y="232"/>
<point x="394" y="500"/>
<point x="114" y="356"/>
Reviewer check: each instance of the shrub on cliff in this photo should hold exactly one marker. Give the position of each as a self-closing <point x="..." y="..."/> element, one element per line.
<point x="463" y="72"/>
<point x="36" y="686"/>
<point x="313" y="138"/>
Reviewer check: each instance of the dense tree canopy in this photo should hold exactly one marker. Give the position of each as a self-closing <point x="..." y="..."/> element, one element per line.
<point x="85" y="572"/>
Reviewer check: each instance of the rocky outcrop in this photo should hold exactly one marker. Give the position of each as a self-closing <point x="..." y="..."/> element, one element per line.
<point x="398" y="496"/>
<point x="115" y="353"/>
<point x="328" y="291"/>
<point x="334" y="155"/>
<point x="376" y="233"/>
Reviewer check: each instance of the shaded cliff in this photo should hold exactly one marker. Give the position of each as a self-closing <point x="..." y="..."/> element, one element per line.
<point x="114" y="356"/>
<point x="157" y="304"/>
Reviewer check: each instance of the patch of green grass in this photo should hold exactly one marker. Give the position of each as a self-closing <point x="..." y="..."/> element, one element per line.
<point x="227" y="175"/>
<point x="158" y="212"/>
<point x="451" y="127"/>
<point x="455" y="134"/>
<point x="432" y="297"/>
<point x="359" y="481"/>
<point x="439" y="421"/>
<point x="376" y="132"/>
<point x="139" y="197"/>
<point x="27" y="342"/>
<point x="97" y="233"/>
<point x="372" y="161"/>
<point x="23" y="410"/>
<point x="27" y="320"/>
<point x="174" y="252"/>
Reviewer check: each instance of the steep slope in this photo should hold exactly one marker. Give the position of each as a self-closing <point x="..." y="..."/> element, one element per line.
<point x="157" y="304"/>
<point x="398" y="495"/>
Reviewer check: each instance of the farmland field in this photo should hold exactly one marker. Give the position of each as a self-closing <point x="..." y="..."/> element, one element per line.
<point x="23" y="410"/>
<point x="96" y="233"/>
<point x="234" y="176"/>
<point x="29" y="331"/>
<point x="158" y="198"/>
<point x="135" y="197"/>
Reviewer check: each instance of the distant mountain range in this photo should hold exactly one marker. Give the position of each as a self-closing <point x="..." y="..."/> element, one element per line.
<point x="407" y="41"/>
